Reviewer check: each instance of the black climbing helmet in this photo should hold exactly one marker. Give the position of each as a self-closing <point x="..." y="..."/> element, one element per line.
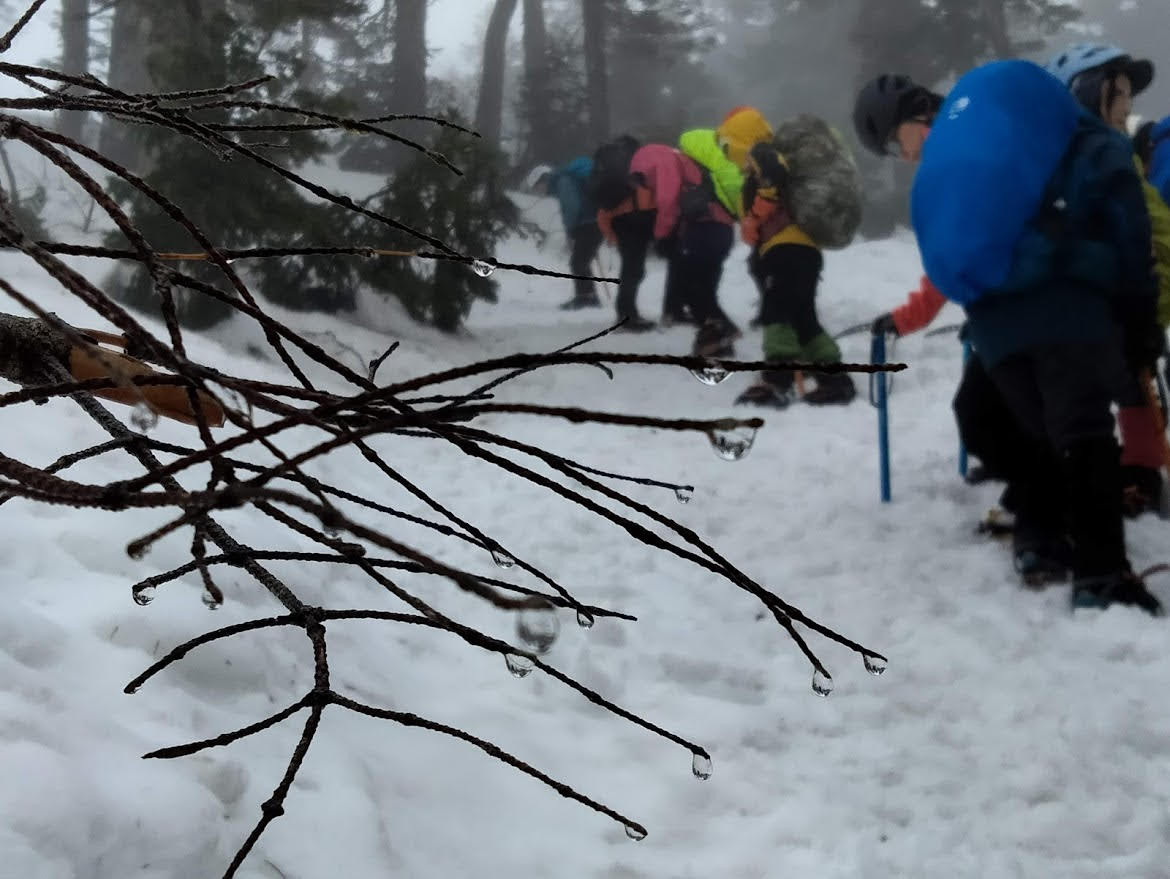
<point x="886" y="102"/>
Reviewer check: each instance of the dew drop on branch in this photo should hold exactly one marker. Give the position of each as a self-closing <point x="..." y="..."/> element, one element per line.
<point x="637" y="834"/>
<point x="502" y="559"/>
<point x="714" y="373"/>
<point x="734" y="443"/>
<point x="822" y="684"/>
<point x="538" y="627"/>
<point x="484" y="268"/>
<point x="875" y="665"/>
<point x="519" y="666"/>
<point x="701" y="766"/>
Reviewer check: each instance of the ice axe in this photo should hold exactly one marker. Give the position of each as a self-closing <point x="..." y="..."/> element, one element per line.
<point x="879" y="398"/>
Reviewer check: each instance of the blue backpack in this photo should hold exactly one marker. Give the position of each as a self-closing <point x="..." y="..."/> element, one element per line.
<point x="1008" y="191"/>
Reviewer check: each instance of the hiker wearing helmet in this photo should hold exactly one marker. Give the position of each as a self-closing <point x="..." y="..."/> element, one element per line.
<point x="1028" y="212"/>
<point x="892" y="117"/>
<point x="786" y="264"/>
<point x="569" y="186"/>
<point x="1105" y="80"/>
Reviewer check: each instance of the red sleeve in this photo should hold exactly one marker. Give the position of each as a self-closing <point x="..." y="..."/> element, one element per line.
<point x="922" y="307"/>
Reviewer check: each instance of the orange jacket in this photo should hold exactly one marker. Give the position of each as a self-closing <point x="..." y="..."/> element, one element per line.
<point x="641" y="200"/>
<point x="922" y="306"/>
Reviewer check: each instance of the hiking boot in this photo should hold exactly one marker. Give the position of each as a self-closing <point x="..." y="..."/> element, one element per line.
<point x="636" y="324"/>
<point x="591" y="301"/>
<point x="677" y="318"/>
<point x="766" y="394"/>
<point x="1125" y="588"/>
<point x="1141" y="490"/>
<point x="715" y="338"/>
<point x="833" y="389"/>
<point x="1040" y="560"/>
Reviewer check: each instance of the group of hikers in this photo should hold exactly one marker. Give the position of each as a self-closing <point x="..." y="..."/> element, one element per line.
<point x="1033" y="208"/>
<point x="685" y="201"/>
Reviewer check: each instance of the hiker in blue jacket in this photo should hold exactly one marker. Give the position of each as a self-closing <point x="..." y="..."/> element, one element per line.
<point x="568" y="184"/>
<point x="1029" y="212"/>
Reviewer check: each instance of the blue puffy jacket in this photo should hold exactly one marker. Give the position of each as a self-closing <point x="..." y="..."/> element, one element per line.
<point x="569" y="184"/>
<point x="1071" y="308"/>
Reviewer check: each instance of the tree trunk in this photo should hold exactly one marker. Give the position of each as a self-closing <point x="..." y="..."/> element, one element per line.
<point x="995" y="22"/>
<point x="536" y="98"/>
<point x="74" y="58"/>
<point x="409" y="65"/>
<point x="129" y="39"/>
<point x="490" y="106"/>
<point x="142" y="30"/>
<point x="593" y="14"/>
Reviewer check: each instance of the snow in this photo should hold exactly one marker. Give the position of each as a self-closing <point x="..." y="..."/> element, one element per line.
<point x="1007" y="739"/>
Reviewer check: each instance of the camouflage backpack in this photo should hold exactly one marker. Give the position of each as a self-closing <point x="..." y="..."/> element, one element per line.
<point x="823" y="192"/>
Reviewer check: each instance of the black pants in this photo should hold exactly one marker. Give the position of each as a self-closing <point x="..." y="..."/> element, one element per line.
<point x="788" y="275"/>
<point x="1060" y="396"/>
<point x="992" y="433"/>
<point x="987" y="426"/>
<point x="696" y="268"/>
<point x="634" y="233"/>
<point x="585" y="241"/>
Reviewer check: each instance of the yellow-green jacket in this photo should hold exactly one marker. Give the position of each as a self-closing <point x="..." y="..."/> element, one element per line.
<point x="1160" y="224"/>
<point x="700" y="145"/>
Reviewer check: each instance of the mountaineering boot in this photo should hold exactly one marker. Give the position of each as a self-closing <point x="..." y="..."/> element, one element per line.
<point x="677" y="317"/>
<point x="1101" y="573"/>
<point x="833" y="389"/>
<point x="715" y="338"/>
<point x="1041" y="549"/>
<point x="636" y="324"/>
<point x="1040" y="558"/>
<point x="772" y="389"/>
<point x="1124" y="588"/>
<point x="591" y="300"/>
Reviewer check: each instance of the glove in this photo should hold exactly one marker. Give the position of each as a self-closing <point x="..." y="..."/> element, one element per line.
<point x="885" y="326"/>
<point x="665" y="247"/>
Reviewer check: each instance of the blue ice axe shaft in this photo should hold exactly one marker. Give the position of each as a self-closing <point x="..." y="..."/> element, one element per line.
<point x="879" y="397"/>
<point x="963" y="445"/>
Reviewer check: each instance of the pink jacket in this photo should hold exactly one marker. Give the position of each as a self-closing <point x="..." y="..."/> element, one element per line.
<point x="666" y="171"/>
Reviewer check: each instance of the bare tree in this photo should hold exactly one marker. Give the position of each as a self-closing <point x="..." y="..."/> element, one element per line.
<point x="129" y="46"/>
<point x="490" y="106"/>
<point x="995" y="23"/>
<point x="248" y="469"/>
<point x="593" y="15"/>
<point x="409" y="65"/>
<point x="74" y="57"/>
<point x="536" y="94"/>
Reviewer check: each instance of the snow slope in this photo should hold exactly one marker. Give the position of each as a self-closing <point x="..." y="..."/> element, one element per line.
<point x="1007" y="739"/>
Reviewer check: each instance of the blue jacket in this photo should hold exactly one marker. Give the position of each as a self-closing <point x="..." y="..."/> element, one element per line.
<point x="1063" y="310"/>
<point x="1159" y="173"/>
<point x="570" y="186"/>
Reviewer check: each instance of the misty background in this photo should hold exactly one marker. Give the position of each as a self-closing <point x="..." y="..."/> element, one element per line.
<point x="542" y="81"/>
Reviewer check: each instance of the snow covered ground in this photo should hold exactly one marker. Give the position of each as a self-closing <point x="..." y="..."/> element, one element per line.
<point x="1007" y="739"/>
